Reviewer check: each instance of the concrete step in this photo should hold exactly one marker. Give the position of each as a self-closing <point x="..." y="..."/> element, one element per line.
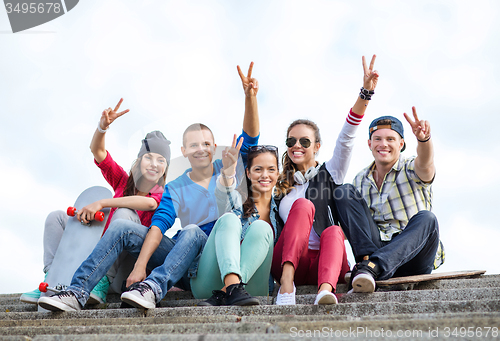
<point x="417" y="328"/>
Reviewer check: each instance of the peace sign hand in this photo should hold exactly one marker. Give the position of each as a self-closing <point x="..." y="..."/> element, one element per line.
<point x="250" y="85"/>
<point x="370" y="76"/>
<point x="230" y="157"/>
<point x="109" y="115"/>
<point x="421" y="129"/>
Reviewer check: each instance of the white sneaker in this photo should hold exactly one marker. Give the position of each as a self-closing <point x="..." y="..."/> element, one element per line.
<point x="286" y="298"/>
<point x="63" y="301"/>
<point x="363" y="282"/>
<point x="325" y="297"/>
<point x="140" y="296"/>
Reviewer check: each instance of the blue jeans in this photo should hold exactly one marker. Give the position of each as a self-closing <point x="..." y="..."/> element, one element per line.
<point x="411" y="252"/>
<point x="169" y="263"/>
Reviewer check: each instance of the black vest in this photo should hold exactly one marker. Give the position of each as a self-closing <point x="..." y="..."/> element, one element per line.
<point x="320" y="192"/>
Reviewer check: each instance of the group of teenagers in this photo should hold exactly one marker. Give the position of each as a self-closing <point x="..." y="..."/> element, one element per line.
<point x="241" y="233"/>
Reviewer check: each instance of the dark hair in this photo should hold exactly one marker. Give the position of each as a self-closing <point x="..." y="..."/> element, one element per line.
<point x="195" y="127"/>
<point x="286" y="179"/>
<point x="248" y="205"/>
<point x="130" y="187"/>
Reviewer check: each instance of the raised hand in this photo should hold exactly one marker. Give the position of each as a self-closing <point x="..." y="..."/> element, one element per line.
<point x="370" y="76"/>
<point x="109" y="115"/>
<point x="421" y="129"/>
<point x="250" y="85"/>
<point x="230" y="157"/>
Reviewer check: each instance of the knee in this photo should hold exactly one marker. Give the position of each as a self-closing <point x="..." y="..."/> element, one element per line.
<point x="191" y="231"/>
<point x="428" y="219"/>
<point x="334" y="231"/>
<point x="229" y="220"/>
<point x="261" y="229"/>
<point x="58" y="218"/>
<point x="304" y="205"/>
<point x="345" y="192"/>
<point x="119" y="226"/>
<point x="124" y="213"/>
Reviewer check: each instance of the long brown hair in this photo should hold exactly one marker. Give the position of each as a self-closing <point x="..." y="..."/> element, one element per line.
<point x="130" y="188"/>
<point x="248" y="205"/>
<point x="286" y="180"/>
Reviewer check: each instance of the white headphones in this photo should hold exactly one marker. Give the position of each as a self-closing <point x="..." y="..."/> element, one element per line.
<point x="303" y="178"/>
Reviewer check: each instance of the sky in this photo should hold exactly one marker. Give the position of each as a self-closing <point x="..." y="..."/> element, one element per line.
<point x="174" y="63"/>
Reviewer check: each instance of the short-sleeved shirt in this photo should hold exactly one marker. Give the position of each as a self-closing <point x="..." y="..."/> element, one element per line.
<point x="401" y="196"/>
<point x="117" y="178"/>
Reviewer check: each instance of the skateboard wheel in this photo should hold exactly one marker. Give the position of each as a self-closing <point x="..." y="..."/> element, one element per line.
<point x="71" y="211"/>
<point x="43" y="287"/>
<point x="99" y="216"/>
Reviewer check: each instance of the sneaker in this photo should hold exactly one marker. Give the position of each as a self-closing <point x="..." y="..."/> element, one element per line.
<point x="218" y="298"/>
<point x="32" y="296"/>
<point x="363" y="277"/>
<point x="63" y="301"/>
<point x="286" y="298"/>
<point x="140" y="295"/>
<point x="100" y="291"/>
<point x="325" y="297"/>
<point x="347" y="276"/>
<point x="237" y="295"/>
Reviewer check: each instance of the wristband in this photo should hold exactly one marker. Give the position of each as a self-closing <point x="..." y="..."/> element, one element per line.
<point x="425" y="139"/>
<point x="103" y="131"/>
<point x="366" y="94"/>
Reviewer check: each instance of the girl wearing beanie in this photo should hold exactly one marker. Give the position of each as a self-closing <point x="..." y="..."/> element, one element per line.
<point x="136" y="196"/>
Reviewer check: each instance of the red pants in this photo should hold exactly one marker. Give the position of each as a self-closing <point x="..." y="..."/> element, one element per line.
<point x="326" y="265"/>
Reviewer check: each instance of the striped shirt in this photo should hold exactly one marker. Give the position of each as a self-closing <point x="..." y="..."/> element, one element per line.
<point x="401" y="196"/>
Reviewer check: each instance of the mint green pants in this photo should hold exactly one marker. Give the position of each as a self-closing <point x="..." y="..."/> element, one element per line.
<point x="224" y="254"/>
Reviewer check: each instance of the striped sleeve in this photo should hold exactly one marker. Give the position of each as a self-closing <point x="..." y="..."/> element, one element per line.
<point x="354" y="118"/>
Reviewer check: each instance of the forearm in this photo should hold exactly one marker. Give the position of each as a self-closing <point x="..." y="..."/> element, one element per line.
<point x="135" y="202"/>
<point x="97" y="146"/>
<point x="153" y="239"/>
<point x="360" y="106"/>
<point x="251" y="118"/>
<point x="424" y="162"/>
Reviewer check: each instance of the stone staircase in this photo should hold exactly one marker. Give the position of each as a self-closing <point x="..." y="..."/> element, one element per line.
<point x="437" y="310"/>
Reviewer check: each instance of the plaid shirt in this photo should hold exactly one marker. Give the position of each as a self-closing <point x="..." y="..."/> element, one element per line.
<point x="402" y="195"/>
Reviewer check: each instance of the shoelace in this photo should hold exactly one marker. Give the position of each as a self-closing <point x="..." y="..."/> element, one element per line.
<point x="65" y="294"/>
<point x="239" y="286"/>
<point x="141" y="287"/>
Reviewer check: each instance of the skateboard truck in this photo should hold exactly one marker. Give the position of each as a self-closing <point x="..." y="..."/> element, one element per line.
<point x="72" y="211"/>
<point x="44" y="287"/>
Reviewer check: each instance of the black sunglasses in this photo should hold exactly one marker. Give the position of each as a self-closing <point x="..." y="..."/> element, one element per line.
<point x="304" y="142"/>
<point x="263" y="148"/>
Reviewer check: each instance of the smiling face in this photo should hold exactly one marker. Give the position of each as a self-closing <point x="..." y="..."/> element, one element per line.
<point x="263" y="172"/>
<point x="199" y="148"/>
<point x="303" y="157"/>
<point x="152" y="167"/>
<point x="386" y="145"/>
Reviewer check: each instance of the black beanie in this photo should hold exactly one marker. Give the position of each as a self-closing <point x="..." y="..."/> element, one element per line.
<point x="155" y="142"/>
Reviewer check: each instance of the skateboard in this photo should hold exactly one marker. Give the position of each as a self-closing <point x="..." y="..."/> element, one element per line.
<point x="408" y="282"/>
<point x="77" y="242"/>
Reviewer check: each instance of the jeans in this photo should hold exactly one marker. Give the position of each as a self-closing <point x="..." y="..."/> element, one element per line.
<point x="410" y="252"/>
<point x="224" y="254"/>
<point x="169" y="263"/>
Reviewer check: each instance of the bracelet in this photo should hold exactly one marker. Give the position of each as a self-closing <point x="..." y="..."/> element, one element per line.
<point x="366" y="94"/>
<point x="425" y="139"/>
<point x="103" y="131"/>
<point x="228" y="177"/>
